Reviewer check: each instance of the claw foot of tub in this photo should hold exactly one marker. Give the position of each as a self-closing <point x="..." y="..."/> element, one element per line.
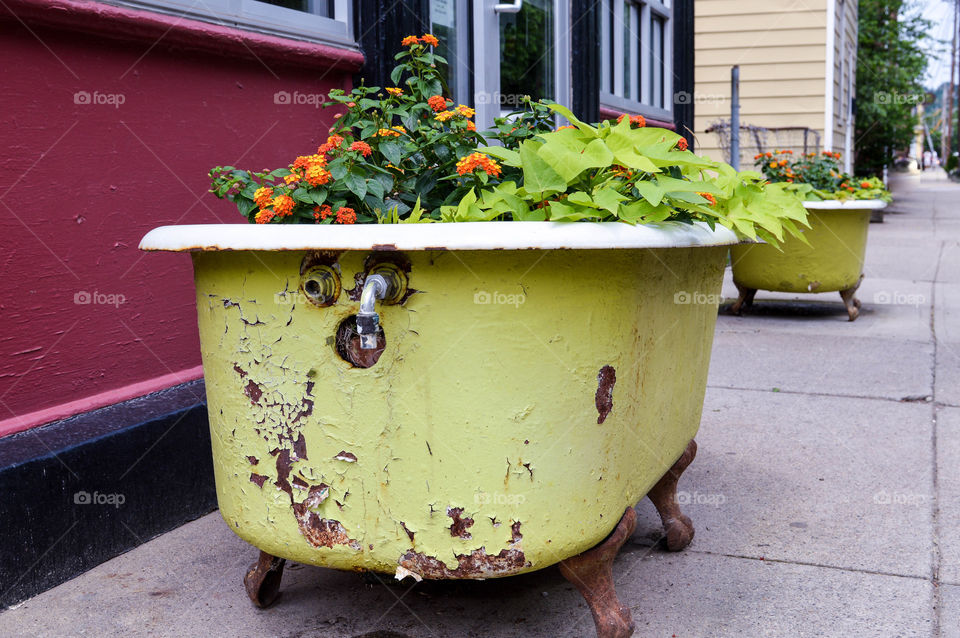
<point x="592" y="574"/>
<point x="676" y="525"/>
<point x="263" y="579"/>
<point x="745" y="300"/>
<point x="850" y="300"/>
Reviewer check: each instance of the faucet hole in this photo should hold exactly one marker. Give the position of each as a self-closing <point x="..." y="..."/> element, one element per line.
<point x="348" y="344"/>
<point x="321" y="285"/>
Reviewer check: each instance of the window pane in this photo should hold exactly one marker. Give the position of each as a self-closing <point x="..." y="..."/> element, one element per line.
<point x="443" y="24"/>
<point x="527" y="52"/>
<point x="319" y="7"/>
<point x="629" y="44"/>
<point x="656" y="60"/>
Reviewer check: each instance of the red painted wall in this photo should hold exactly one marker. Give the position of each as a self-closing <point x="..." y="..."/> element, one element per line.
<point x="103" y="139"/>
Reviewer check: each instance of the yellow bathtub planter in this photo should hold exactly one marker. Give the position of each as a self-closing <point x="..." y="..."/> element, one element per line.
<point x="532" y="381"/>
<point x="831" y="260"/>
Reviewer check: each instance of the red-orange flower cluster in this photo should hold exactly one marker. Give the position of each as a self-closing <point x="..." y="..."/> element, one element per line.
<point x="682" y="144"/>
<point x="635" y="120"/>
<point x="474" y="161"/>
<point x="362" y="147"/>
<point x="427" y="38"/>
<point x="346" y="215"/>
<point x="710" y="198"/>
<point x="334" y="141"/>
<point x="437" y="103"/>
<point x="283" y="205"/>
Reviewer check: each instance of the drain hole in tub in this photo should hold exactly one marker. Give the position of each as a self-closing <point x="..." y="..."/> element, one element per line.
<point x="348" y="344"/>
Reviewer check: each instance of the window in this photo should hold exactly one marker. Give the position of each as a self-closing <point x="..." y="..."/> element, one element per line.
<point x="325" y="21"/>
<point x="637" y="52"/>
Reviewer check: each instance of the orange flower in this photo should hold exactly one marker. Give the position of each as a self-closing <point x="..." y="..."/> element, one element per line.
<point x="471" y="126"/>
<point x="410" y="40"/>
<point x="362" y="147"/>
<point x="322" y="212"/>
<point x="566" y="126"/>
<point x="334" y="141"/>
<point x="262" y="196"/>
<point x="774" y="164"/>
<point x="710" y="198"/>
<point x="682" y="144"/>
<point x="635" y="120"/>
<point x="443" y="116"/>
<point x="437" y="103"/>
<point x="317" y="175"/>
<point x="305" y="161"/>
<point x="291" y="178"/>
<point x="263" y="216"/>
<point x="465" y="111"/>
<point x="283" y="205"/>
<point x="622" y="172"/>
<point x="394" y="91"/>
<point x="388" y="132"/>
<point x="474" y="161"/>
<point x="758" y="156"/>
<point x="346" y="215"/>
<point x="429" y="38"/>
<point x="865" y="184"/>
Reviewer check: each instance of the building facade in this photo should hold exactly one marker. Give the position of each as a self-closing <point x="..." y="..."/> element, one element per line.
<point x="797" y="68"/>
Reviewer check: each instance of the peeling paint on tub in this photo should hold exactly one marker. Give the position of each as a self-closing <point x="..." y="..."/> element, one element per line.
<point x="606" y="379"/>
<point x="460" y="523"/>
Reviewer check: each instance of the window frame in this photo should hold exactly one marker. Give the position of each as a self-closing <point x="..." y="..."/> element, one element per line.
<point x="260" y="17"/>
<point x="611" y="97"/>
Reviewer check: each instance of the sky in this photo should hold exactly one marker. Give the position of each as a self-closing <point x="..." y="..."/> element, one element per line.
<point x="940" y="13"/>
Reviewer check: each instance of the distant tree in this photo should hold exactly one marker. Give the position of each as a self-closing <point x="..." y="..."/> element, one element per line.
<point x="890" y="67"/>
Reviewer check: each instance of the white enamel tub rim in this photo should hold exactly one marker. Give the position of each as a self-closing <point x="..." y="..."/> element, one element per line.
<point x="850" y="204"/>
<point x="439" y="236"/>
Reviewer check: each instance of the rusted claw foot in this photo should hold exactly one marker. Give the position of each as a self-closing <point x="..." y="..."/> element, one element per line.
<point x="263" y="579"/>
<point x="745" y="300"/>
<point x="850" y="300"/>
<point x="677" y="525"/>
<point x="592" y="573"/>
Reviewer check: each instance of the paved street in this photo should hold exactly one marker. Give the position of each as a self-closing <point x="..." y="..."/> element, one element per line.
<point x="826" y="496"/>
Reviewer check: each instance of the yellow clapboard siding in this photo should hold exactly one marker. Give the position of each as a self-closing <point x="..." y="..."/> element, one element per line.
<point x="707" y="8"/>
<point x="801" y="70"/>
<point x="769" y="38"/>
<point x="710" y="91"/>
<point x="765" y="55"/>
<point x="761" y="22"/>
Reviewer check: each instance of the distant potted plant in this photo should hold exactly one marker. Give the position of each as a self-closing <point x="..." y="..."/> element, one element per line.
<point x="394" y="393"/>
<point x="829" y="257"/>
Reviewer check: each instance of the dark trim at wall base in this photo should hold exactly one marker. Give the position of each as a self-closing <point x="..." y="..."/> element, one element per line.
<point x="80" y="491"/>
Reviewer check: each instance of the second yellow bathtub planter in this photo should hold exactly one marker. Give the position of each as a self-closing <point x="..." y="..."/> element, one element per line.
<point x="831" y="260"/>
<point x="528" y="383"/>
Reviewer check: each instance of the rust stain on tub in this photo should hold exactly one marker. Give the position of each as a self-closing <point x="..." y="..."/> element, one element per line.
<point x="460" y="524"/>
<point x="253" y="391"/>
<point x="478" y="564"/>
<point x="324" y="532"/>
<point x="475" y="565"/>
<point x="606" y="379"/>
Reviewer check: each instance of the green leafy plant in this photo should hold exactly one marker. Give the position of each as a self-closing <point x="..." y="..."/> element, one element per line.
<point x="816" y="177"/>
<point x="389" y="149"/>
<point x="627" y="172"/>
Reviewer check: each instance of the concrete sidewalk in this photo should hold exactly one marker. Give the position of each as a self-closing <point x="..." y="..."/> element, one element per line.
<point x="826" y="496"/>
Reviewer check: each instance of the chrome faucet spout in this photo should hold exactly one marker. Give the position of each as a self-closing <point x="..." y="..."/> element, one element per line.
<point x="368" y="321"/>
